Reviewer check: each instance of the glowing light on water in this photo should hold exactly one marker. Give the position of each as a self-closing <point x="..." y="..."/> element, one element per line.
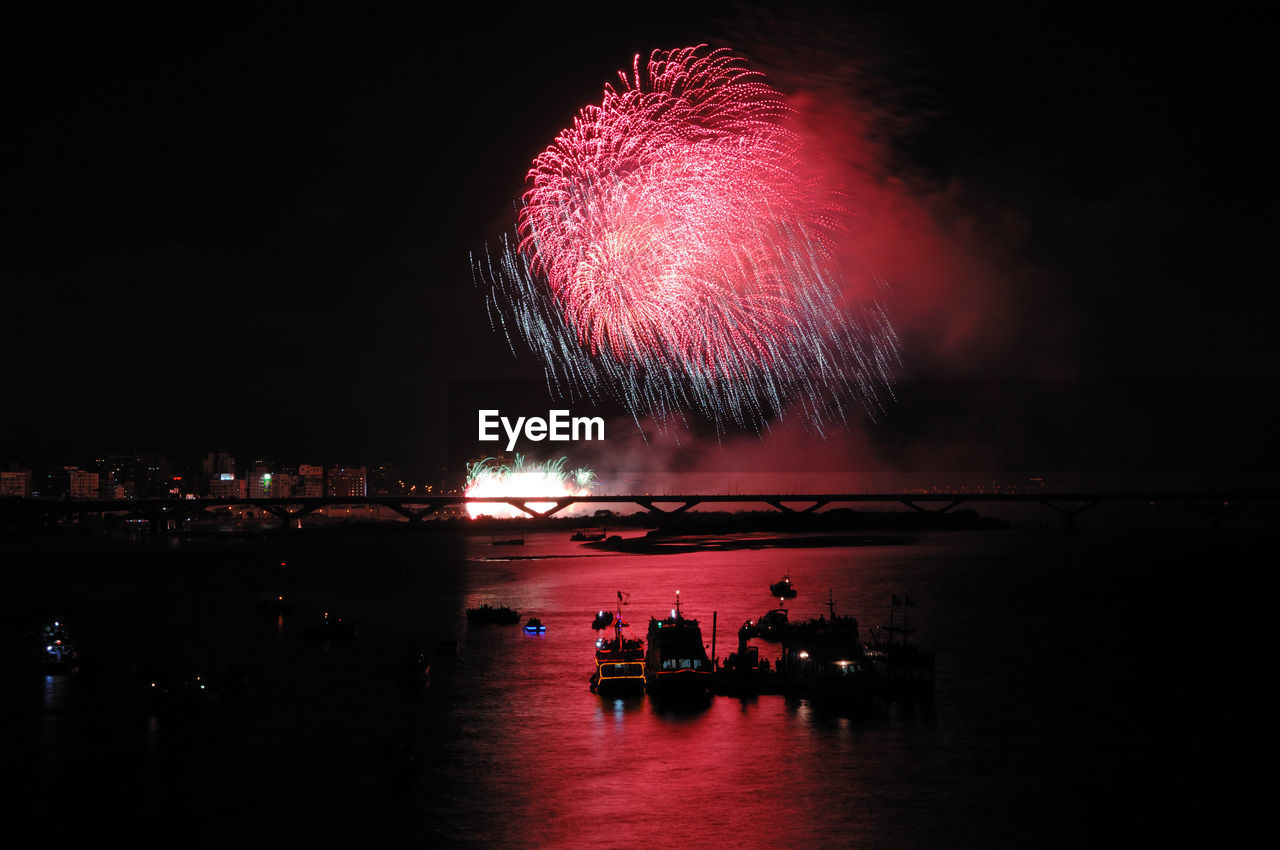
<point x="519" y="479"/>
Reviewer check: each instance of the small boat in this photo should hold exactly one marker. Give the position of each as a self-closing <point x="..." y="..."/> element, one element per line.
<point x="620" y="669"/>
<point x="330" y="628"/>
<point x="58" y="654"/>
<point x="275" y="605"/>
<point x="603" y="620"/>
<point x="772" y="625"/>
<point x="166" y="692"/>
<point x="500" y="615"/>
<point x="744" y="672"/>
<point x="415" y="672"/>
<point x="783" y="589"/>
<point x="534" y="626"/>
<point x="510" y="541"/>
<point x="676" y="664"/>
<point x="587" y="535"/>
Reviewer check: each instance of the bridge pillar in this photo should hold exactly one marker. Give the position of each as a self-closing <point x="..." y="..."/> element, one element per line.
<point x="1069" y="515"/>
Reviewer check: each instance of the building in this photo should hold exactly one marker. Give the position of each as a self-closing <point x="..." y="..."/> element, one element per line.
<point x="262" y="482"/>
<point x="225" y="485"/>
<point x="385" y="480"/>
<point x="141" y="475"/>
<point x="215" y="467"/>
<point x="15" y="482"/>
<point x="310" y="481"/>
<point x="72" y="482"/>
<point x="348" y="481"/>
<point x="284" y="484"/>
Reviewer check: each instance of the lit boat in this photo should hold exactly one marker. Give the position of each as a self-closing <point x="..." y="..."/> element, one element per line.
<point x="330" y="628"/>
<point x="783" y="589"/>
<point x="534" y="626"/>
<point x="676" y="663"/>
<point x="772" y="625"/>
<point x="619" y="661"/>
<point x="824" y="659"/>
<point x="275" y="605"/>
<point x="58" y="654"/>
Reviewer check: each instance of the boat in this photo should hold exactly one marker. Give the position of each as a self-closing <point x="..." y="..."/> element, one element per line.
<point x="330" y="628"/>
<point x="510" y="541"/>
<point x="772" y="625"/>
<point x="903" y="671"/>
<point x="166" y="692"/>
<point x="534" y="626"/>
<point x="783" y="589"/>
<point x="676" y="664"/>
<point x="744" y="672"/>
<point x="824" y="659"/>
<point x="275" y="605"/>
<point x="58" y="654"/>
<point x="620" y="669"/>
<point x="415" y="672"/>
<point x="500" y="615"/>
<point x="587" y="535"/>
<point x="604" y="620"/>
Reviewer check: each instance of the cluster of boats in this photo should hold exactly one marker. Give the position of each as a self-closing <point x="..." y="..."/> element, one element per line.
<point x="824" y="657"/>
<point x="501" y="615"/>
<point x="674" y="666"/>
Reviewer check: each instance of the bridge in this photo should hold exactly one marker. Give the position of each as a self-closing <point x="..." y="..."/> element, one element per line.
<point x="169" y="514"/>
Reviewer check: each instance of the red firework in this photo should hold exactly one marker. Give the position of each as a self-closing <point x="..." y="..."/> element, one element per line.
<point x="674" y="224"/>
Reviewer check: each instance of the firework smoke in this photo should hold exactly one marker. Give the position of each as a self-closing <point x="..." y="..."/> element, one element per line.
<point x="522" y="479"/>
<point x="674" y="254"/>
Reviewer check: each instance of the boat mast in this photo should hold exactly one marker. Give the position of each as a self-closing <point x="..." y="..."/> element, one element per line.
<point x="617" y="623"/>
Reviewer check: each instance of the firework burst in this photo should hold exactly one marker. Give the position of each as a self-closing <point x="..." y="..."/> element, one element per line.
<point x="521" y="479"/>
<point x="674" y="254"/>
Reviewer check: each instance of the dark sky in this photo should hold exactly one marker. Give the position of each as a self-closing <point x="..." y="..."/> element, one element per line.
<point x="255" y="235"/>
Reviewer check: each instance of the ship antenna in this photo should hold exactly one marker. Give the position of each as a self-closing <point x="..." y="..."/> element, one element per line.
<point x="831" y="605"/>
<point x="617" y="623"/>
<point x="677" y="605"/>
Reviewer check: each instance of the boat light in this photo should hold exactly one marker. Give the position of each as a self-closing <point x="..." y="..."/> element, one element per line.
<point x="804" y="654"/>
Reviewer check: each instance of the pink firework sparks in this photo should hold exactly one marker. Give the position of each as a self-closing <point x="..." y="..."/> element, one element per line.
<point x="674" y="253"/>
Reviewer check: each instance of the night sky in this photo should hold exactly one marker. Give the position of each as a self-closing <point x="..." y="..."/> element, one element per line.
<point x="255" y="235"/>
